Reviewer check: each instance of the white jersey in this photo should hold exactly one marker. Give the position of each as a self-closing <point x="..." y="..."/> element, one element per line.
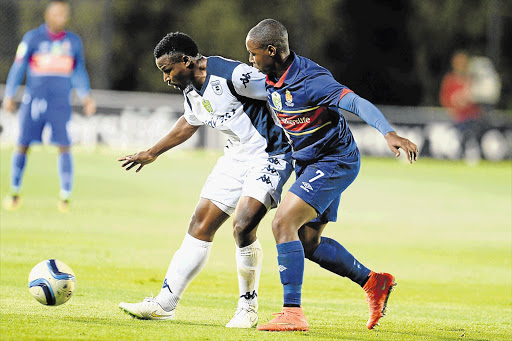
<point x="233" y="100"/>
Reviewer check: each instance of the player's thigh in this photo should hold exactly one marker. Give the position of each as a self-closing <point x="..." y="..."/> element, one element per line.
<point x="266" y="178"/>
<point x="30" y="126"/>
<point x="292" y="213"/>
<point x="59" y="117"/>
<point x="224" y="185"/>
<point x="206" y="220"/>
<point x="320" y="184"/>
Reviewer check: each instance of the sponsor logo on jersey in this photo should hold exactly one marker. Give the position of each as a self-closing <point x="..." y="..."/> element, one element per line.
<point x="276" y="100"/>
<point x="289" y="98"/>
<point x="217" y="88"/>
<point x="207" y="106"/>
<point x="306" y="186"/>
<point x="305" y="122"/>
<point x="282" y="268"/>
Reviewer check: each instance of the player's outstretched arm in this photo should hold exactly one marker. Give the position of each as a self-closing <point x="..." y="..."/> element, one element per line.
<point x="396" y="142"/>
<point x="180" y="132"/>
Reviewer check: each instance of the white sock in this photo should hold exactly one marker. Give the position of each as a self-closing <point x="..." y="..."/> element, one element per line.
<point x="248" y="261"/>
<point x="186" y="263"/>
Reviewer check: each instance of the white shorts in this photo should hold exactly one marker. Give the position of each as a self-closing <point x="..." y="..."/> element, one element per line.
<point x="261" y="179"/>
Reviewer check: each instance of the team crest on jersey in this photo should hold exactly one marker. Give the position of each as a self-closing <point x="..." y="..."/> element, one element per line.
<point x="289" y="98"/>
<point x="217" y="88"/>
<point x="66" y="47"/>
<point x="276" y="100"/>
<point x="207" y="106"/>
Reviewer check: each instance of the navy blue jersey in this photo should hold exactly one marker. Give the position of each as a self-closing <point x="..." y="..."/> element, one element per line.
<point x="307" y="100"/>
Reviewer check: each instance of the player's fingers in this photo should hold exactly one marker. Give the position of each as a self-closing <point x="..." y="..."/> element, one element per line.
<point x="138" y="169"/>
<point x="396" y="151"/>
<point x="126" y="163"/>
<point x="133" y="164"/>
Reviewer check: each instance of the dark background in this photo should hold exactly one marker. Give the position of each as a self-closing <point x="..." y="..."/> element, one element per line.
<point x="389" y="51"/>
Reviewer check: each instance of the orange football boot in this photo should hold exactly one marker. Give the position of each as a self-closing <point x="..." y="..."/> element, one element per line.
<point x="378" y="288"/>
<point x="289" y="319"/>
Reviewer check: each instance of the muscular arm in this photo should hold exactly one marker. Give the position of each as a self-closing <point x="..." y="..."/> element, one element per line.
<point x="180" y="132"/>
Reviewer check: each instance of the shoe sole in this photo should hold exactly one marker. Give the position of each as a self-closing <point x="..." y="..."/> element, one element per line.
<point x="385" y="307"/>
<point x="145" y="318"/>
<point x="301" y="329"/>
<point x="239" y="327"/>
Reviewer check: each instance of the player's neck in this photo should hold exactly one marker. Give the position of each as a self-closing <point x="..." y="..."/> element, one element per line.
<point x="199" y="72"/>
<point x="283" y="65"/>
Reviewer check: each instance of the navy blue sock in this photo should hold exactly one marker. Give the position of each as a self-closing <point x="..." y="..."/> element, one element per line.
<point x="332" y="256"/>
<point x="290" y="257"/>
<point x="65" y="165"/>
<point x="17" y="167"/>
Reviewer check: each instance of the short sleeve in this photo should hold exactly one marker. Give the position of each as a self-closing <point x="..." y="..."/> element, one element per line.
<point x="249" y="82"/>
<point x="323" y="90"/>
<point x="189" y="114"/>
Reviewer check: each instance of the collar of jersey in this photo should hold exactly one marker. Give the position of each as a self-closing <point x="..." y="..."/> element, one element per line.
<point x="54" y="36"/>
<point x="290" y="73"/>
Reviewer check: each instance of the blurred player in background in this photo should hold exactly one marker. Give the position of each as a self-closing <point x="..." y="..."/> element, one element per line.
<point x="308" y="102"/>
<point x="55" y="64"/>
<point x="246" y="182"/>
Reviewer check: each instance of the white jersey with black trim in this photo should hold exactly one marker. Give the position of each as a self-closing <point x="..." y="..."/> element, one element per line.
<point x="233" y="100"/>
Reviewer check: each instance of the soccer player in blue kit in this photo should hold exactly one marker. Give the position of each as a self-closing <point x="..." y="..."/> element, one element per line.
<point x="55" y="64"/>
<point x="307" y="101"/>
<point x="246" y="182"/>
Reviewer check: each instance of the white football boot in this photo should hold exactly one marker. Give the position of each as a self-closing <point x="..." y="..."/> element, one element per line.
<point x="148" y="309"/>
<point x="246" y="316"/>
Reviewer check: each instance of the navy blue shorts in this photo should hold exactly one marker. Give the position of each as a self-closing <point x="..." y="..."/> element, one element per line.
<point x="39" y="112"/>
<point x="320" y="184"/>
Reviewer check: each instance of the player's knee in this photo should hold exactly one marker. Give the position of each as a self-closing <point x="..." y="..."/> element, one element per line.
<point x="282" y="229"/>
<point x="200" y="229"/>
<point x="243" y="226"/>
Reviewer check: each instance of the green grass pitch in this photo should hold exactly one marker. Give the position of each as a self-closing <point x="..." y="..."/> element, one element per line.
<point x="444" y="229"/>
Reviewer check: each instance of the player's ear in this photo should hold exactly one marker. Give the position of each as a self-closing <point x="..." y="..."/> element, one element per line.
<point x="187" y="61"/>
<point x="272" y="50"/>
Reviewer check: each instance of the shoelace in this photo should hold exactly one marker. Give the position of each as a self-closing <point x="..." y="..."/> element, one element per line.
<point x="282" y="313"/>
<point x="149" y="299"/>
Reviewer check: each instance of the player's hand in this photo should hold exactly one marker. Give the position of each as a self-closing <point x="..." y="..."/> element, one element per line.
<point x="89" y="106"/>
<point x="140" y="158"/>
<point x="396" y="142"/>
<point x="9" y="105"/>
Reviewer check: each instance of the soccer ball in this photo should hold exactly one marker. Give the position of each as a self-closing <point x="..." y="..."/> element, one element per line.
<point x="51" y="282"/>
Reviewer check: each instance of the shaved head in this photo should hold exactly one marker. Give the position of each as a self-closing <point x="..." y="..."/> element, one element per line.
<point x="270" y="32"/>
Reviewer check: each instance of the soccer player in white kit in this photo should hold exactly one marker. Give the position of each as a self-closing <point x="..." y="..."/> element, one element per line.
<point x="229" y="96"/>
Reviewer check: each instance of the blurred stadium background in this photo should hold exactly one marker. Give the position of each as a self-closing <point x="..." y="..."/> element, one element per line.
<point x="392" y="52"/>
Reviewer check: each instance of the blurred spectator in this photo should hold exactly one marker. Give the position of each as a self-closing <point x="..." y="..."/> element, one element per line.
<point x="457" y="97"/>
